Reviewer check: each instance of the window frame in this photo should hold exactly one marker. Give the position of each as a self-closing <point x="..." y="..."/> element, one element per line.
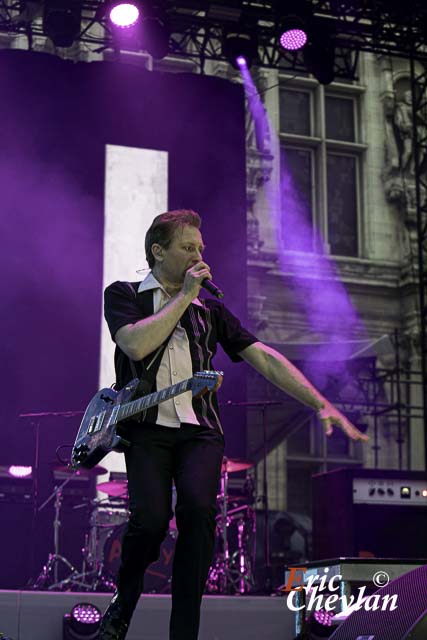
<point x="300" y="89"/>
<point x="310" y="150"/>
<point x="356" y="156"/>
<point x="321" y="146"/>
<point x="356" y="119"/>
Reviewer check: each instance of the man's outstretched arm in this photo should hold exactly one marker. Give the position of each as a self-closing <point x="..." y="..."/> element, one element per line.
<point x="282" y="373"/>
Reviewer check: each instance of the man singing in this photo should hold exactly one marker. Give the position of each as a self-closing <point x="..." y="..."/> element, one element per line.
<point x="164" y="334"/>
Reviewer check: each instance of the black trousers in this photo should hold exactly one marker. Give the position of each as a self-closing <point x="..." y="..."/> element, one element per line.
<point x="191" y="456"/>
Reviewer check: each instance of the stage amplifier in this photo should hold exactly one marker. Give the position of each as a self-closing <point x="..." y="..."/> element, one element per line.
<point x="369" y="513"/>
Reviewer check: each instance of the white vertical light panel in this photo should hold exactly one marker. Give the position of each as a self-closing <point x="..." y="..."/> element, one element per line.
<point x="136" y="190"/>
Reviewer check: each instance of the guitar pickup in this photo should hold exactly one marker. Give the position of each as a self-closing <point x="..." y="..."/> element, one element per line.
<point x="95" y="423"/>
<point x="113" y="417"/>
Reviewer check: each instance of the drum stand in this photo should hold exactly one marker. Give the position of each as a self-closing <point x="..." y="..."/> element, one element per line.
<point x="263" y="405"/>
<point x="97" y="579"/>
<point x="241" y="565"/>
<point x="231" y="575"/>
<point x="222" y="566"/>
<point x="48" y="578"/>
<point x="50" y="569"/>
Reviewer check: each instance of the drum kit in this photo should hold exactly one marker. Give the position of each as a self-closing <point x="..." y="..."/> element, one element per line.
<point x="231" y="570"/>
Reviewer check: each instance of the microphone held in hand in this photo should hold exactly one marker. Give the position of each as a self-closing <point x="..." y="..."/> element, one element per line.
<point x="212" y="288"/>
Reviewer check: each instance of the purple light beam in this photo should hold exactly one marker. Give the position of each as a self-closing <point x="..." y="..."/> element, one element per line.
<point x="325" y="302"/>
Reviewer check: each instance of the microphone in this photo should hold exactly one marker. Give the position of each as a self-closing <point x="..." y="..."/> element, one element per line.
<point x="212" y="288"/>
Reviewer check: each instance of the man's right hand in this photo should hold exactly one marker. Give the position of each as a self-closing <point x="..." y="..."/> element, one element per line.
<point x="194" y="277"/>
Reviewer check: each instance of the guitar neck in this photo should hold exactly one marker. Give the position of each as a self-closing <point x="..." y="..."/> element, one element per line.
<point x="135" y="407"/>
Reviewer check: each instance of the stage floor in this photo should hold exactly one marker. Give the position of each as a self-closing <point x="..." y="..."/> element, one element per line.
<point x="37" y="615"/>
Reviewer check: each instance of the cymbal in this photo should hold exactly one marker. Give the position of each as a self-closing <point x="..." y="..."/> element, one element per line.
<point x="231" y="465"/>
<point x="115" y="488"/>
<point x="95" y="471"/>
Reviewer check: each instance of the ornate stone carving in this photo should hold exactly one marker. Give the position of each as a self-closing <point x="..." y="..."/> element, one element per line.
<point x="410" y="343"/>
<point x="404" y="133"/>
<point x="399" y="165"/>
<point x="398" y="173"/>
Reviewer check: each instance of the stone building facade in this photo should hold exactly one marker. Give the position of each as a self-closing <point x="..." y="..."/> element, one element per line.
<point x="353" y="142"/>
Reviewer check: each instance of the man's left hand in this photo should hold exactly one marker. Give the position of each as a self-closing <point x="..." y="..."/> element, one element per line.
<point x="330" y="416"/>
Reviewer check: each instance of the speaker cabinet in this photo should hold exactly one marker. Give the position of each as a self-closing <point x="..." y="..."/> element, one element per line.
<point x="369" y="513"/>
<point x="15" y="544"/>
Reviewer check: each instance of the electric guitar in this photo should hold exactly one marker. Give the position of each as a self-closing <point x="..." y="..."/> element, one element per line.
<point x="97" y="434"/>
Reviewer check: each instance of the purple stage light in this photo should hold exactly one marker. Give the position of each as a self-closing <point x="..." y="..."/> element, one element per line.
<point x="293" y="39"/>
<point x="83" y="621"/>
<point x="324" y="617"/>
<point x="19" y="471"/>
<point x="86" y="613"/>
<point x="240" y="48"/>
<point x="124" y="15"/>
<point x="320" y="624"/>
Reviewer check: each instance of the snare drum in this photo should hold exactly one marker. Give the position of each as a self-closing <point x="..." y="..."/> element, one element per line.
<point x="103" y="520"/>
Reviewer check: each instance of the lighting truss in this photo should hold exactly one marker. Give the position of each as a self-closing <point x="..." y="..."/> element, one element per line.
<point x="378" y="26"/>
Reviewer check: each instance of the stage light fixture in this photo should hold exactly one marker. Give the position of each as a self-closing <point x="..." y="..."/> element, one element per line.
<point x="293" y="24"/>
<point x="293" y="33"/>
<point x="82" y="623"/>
<point x="319" y="54"/>
<point x="61" y="21"/>
<point x="142" y="25"/>
<point x="155" y="36"/>
<point x="19" y="471"/>
<point x="240" y="47"/>
<point x="320" y="624"/>
<point x="123" y="14"/>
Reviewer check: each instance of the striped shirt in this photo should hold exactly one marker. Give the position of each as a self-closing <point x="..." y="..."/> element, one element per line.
<point x="191" y="348"/>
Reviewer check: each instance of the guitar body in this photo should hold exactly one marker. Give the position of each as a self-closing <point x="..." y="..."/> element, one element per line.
<point x="97" y="433"/>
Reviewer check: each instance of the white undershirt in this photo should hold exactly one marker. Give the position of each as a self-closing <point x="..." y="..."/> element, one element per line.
<point x="175" y="364"/>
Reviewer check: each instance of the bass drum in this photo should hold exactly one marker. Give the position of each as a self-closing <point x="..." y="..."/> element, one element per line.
<point x="158" y="576"/>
